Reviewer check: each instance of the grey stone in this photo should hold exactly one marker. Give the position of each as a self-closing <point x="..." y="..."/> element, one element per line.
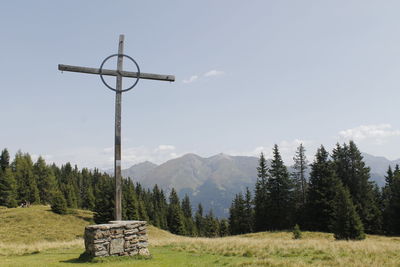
<point x="116" y="231"/>
<point x="143" y="244"/>
<point x="96" y="241"/>
<point x="99" y="247"/>
<point x="131" y="237"/>
<point x="144" y="252"/>
<point x="132" y="231"/>
<point x="118" y="238"/>
<point x="117" y="246"/>
<point x="143" y="238"/>
<point x="134" y="241"/>
<point x="101" y="253"/>
<point x="131" y="226"/>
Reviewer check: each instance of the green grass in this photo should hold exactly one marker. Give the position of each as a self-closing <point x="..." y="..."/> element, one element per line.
<point x="45" y="244"/>
<point x="39" y="223"/>
<point x="163" y="256"/>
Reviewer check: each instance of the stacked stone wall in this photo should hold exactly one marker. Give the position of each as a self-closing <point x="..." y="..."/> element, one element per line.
<point x="118" y="238"/>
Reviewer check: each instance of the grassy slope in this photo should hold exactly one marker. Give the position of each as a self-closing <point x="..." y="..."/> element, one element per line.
<point x="39" y="248"/>
<point x="39" y="223"/>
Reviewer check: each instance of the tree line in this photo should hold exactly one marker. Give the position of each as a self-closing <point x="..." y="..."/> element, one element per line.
<point x="338" y="197"/>
<point x="67" y="187"/>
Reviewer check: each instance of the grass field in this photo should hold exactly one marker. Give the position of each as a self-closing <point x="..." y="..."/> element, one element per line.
<point x="46" y="244"/>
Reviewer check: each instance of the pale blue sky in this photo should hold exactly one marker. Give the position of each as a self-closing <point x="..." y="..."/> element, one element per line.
<point x="249" y="74"/>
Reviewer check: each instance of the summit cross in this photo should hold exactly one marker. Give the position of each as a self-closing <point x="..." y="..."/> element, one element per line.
<point x="119" y="73"/>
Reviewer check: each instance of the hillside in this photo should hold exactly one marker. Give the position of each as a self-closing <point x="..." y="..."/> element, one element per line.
<point x="258" y="249"/>
<point x="40" y="224"/>
<point x="34" y="248"/>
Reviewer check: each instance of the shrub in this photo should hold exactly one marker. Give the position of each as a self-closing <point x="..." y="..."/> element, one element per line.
<point x="59" y="205"/>
<point x="296" y="232"/>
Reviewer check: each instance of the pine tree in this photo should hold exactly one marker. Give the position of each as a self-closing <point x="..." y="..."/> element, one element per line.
<point x="300" y="183"/>
<point x="4" y="160"/>
<point x="199" y="220"/>
<point x="186" y="207"/>
<point x="27" y="189"/>
<point x="70" y="196"/>
<point x="354" y="174"/>
<point x="248" y="212"/>
<point x="143" y="215"/>
<point x="46" y="181"/>
<point x="322" y="192"/>
<point x="389" y="177"/>
<point x="104" y="207"/>
<point x="187" y="213"/>
<point x="86" y="190"/>
<point x="346" y="224"/>
<point x="279" y="202"/>
<point x="176" y="221"/>
<point x="224" y="227"/>
<point x="130" y="205"/>
<point x="160" y="207"/>
<point x="148" y="203"/>
<point x="261" y="196"/>
<point x="241" y="214"/>
<point x="211" y="225"/>
<point x="237" y="220"/>
<point x="8" y="188"/>
<point x="391" y="202"/>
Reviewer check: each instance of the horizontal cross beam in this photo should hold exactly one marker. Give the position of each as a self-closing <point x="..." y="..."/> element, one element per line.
<point x="148" y="76"/>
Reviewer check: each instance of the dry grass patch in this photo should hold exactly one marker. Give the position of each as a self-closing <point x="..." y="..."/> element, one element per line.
<point x="279" y="249"/>
<point x="7" y="249"/>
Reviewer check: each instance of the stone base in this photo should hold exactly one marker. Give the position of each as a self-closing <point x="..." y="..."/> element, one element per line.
<point x="118" y="238"/>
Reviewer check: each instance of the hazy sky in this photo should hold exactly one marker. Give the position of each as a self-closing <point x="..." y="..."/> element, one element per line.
<point x="248" y="74"/>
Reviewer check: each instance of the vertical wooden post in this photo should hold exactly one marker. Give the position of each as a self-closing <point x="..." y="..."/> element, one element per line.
<point x="117" y="150"/>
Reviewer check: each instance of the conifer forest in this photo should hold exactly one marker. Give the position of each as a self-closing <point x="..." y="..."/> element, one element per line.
<point x="331" y="193"/>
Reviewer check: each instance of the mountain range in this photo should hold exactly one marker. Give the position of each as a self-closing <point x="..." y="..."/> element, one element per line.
<point x="215" y="180"/>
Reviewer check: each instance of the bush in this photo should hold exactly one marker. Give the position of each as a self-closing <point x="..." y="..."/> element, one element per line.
<point x="296" y="232"/>
<point x="59" y="205"/>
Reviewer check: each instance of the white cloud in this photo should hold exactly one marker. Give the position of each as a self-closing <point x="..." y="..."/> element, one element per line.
<point x="213" y="73"/>
<point x="377" y="133"/>
<point x="210" y="73"/>
<point x="192" y="78"/>
<point x="287" y="150"/>
<point x="103" y="159"/>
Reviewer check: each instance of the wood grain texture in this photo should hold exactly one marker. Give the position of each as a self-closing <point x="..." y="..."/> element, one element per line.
<point x="107" y="72"/>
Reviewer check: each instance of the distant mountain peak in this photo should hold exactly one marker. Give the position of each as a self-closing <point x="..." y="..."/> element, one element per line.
<point x="148" y="163"/>
<point x="138" y="171"/>
<point x="220" y="156"/>
<point x="191" y="155"/>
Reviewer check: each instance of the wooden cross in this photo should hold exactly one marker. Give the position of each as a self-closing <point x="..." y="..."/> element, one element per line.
<point x="119" y="73"/>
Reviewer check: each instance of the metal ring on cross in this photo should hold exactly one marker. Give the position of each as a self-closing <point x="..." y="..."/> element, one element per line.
<point x="114" y="89"/>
